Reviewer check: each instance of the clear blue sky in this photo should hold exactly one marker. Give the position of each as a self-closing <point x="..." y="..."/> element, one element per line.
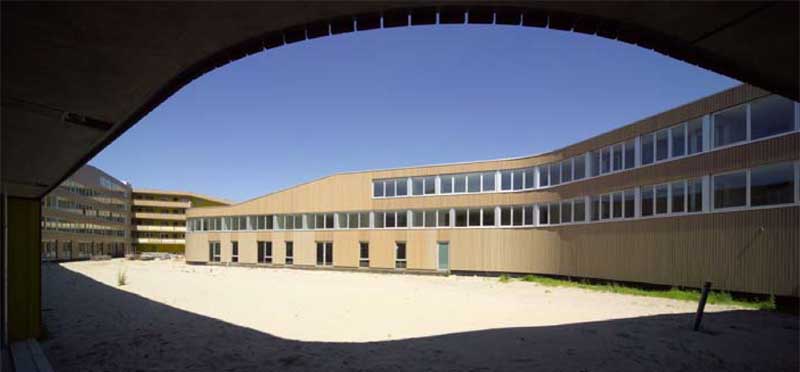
<point x="396" y="97"/>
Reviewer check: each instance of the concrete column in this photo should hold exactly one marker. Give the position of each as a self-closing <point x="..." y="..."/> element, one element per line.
<point x="23" y="265"/>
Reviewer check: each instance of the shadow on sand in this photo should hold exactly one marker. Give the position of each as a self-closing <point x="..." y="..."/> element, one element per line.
<point x="151" y="336"/>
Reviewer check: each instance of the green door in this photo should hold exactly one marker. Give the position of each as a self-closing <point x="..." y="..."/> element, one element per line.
<point x="444" y="256"/>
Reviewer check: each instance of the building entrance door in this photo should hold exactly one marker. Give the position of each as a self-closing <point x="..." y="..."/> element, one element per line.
<point x="324" y="253"/>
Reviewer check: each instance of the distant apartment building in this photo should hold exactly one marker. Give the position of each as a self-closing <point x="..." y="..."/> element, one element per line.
<point x="87" y="215"/>
<point x="159" y="218"/>
<point x="707" y="191"/>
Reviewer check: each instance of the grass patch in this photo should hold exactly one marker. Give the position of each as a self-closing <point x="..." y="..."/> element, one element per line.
<point x="715" y="297"/>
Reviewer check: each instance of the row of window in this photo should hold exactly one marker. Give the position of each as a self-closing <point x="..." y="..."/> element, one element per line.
<point x="324" y="253"/>
<point x="768" y="185"/>
<point x="50" y="249"/>
<point x="76" y="207"/>
<point x="120" y="203"/>
<point x="63" y="225"/>
<point x="761" y="118"/>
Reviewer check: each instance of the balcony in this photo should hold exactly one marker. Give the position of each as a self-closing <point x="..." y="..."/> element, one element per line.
<point x="161" y="203"/>
<point x="159" y="216"/>
<point x="159" y="241"/>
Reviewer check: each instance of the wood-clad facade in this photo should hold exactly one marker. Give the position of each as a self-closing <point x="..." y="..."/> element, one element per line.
<point x="740" y="249"/>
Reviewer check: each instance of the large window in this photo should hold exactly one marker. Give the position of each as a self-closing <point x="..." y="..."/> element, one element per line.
<point x="443" y="218"/>
<point x="678" y="140"/>
<point x="555" y="174"/>
<point x="446" y="184"/>
<point x="488" y="216"/>
<point x="678" y="196"/>
<point x="544" y="215"/>
<point x="629" y="209"/>
<point x="647" y="200"/>
<point x="544" y="176"/>
<point x="580" y="167"/>
<point x="505" y="216"/>
<point x="694" y="130"/>
<point x="694" y="195"/>
<point x="730" y="126"/>
<point x="289" y="260"/>
<point x="474" y="217"/>
<point x="264" y="252"/>
<point x="662" y="199"/>
<point x="505" y="180"/>
<point x="616" y="157"/>
<point x="460" y="183"/>
<point x="461" y="217"/>
<point x="474" y="183"/>
<point x="770" y="116"/>
<point x="662" y="145"/>
<point x="648" y="149"/>
<point x="488" y="181"/>
<point x="579" y="210"/>
<point x="566" y="211"/>
<point x="772" y="184"/>
<point x="730" y="190"/>
<point x="234" y="251"/>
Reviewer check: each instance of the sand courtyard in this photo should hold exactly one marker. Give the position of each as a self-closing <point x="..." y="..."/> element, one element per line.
<point x="174" y="316"/>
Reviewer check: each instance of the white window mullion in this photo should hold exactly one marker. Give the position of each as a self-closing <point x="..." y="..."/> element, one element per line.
<point x="437" y="185"/>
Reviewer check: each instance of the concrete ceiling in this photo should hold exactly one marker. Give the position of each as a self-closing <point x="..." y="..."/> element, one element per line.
<point x="75" y="76"/>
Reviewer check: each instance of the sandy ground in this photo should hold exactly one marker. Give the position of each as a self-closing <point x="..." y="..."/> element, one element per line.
<point x="172" y="316"/>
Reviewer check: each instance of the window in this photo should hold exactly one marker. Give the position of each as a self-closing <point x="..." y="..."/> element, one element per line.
<point x="505" y="216"/>
<point x="648" y="142"/>
<point x="324" y="254"/>
<point x="579" y="210"/>
<point x="695" y="136"/>
<point x="377" y="189"/>
<point x="430" y="185"/>
<point x="319" y="221"/>
<point x="279" y="223"/>
<point x="390" y="219"/>
<point x="648" y="199"/>
<point x="694" y="195"/>
<point x="730" y="190"/>
<point x="447" y="184"/>
<point x="630" y="154"/>
<point x="730" y="126"/>
<point x="443" y="217"/>
<point x="488" y="181"/>
<point x="543" y="215"/>
<point x="402" y="187"/>
<point x="517" y="180"/>
<point x="566" y="211"/>
<point x="595" y="163"/>
<point x="363" y="220"/>
<point x="630" y="203"/>
<point x="379" y="220"/>
<point x="488" y="217"/>
<point x="616" y="205"/>
<point x="234" y="251"/>
<point x="213" y="251"/>
<point x="417" y="186"/>
<point x="363" y="258"/>
<point x="341" y="220"/>
<point x="662" y="200"/>
<point x="312" y="221"/>
<point x="474" y="183"/>
<point x="402" y="219"/>
<point x="605" y="207"/>
<point x="678" y="138"/>
<point x="505" y="180"/>
<point x="264" y="252"/>
<point x="566" y="170"/>
<point x="595" y="208"/>
<point x="770" y="116"/>
<point x="555" y="174"/>
<point x="400" y="255"/>
<point x="662" y="144"/>
<point x="352" y="220"/>
<point x="555" y="213"/>
<point x="529" y="178"/>
<point x="606" y="160"/>
<point x="772" y="184"/>
<point x="430" y="218"/>
<point x="528" y="213"/>
<point x="460" y="183"/>
<point x="580" y="167"/>
<point x="544" y="176"/>
<point x="289" y="253"/>
<point x="417" y="218"/>
<point x="461" y="217"/>
<point x="678" y="191"/>
<point x="474" y="217"/>
<point x="389" y="187"/>
<point x="616" y="157"/>
<point x="516" y="216"/>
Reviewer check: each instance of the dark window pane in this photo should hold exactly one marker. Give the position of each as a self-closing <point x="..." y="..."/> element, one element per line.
<point x="461" y="183"/>
<point x="377" y="188"/>
<point x="605" y="207"/>
<point x="595" y="162"/>
<point x="461" y="217"/>
<point x="678" y="134"/>
<point x="662" y="195"/>
<point x="416" y="186"/>
<point x="662" y="145"/>
<point x="402" y="187"/>
<point x="566" y="170"/>
<point x="505" y="216"/>
<point x="579" y="210"/>
<point x="630" y="154"/>
<point x="580" y="167"/>
<point x="474" y="183"/>
<point x="555" y="174"/>
<point x="555" y="213"/>
<point x="430" y="185"/>
<point x="430" y="218"/>
<point x="517" y="180"/>
<point x="678" y="196"/>
<point x="566" y="212"/>
<point x="616" y="207"/>
<point x="616" y="157"/>
<point x="379" y="220"/>
<point x="517" y="216"/>
<point x="695" y="195"/>
<point x="402" y="219"/>
<point x="630" y="203"/>
<point x="474" y="217"/>
<point x="389" y="188"/>
<point x="770" y="116"/>
<point x="647" y="201"/>
<point x="488" y="216"/>
<point x="417" y="218"/>
<point x="447" y="184"/>
<point x="730" y="190"/>
<point x="390" y="219"/>
<point x="364" y="250"/>
<point x="329" y="221"/>
<point x="528" y="211"/>
<point x="529" y="178"/>
<point x="505" y="180"/>
<point x="730" y="126"/>
<point x="401" y="251"/>
<point x="488" y="181"/>
<point x="772" y="184"/>
<point x="544" y="176"/>
<point x="695" y="132"/>
<point x="606" y="160"/>
<point x="647" y="148"/>
<point x="444" y="218"/>
<point x="595" y="208"/>
<point x="543" y="215"/>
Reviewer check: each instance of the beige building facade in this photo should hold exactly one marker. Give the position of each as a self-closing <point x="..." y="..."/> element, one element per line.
<point x="707" y="191"/>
